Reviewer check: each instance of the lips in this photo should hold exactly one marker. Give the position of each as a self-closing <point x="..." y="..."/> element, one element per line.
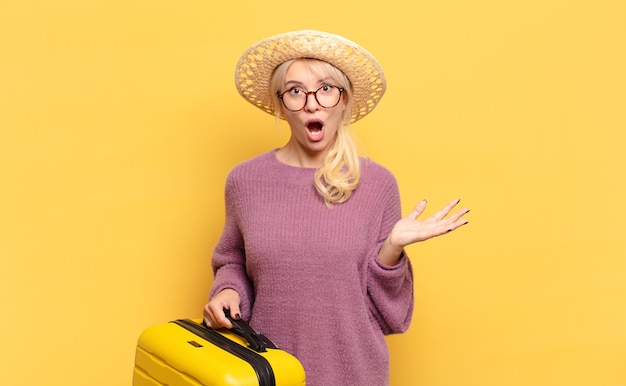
<point x="315" y="130"/>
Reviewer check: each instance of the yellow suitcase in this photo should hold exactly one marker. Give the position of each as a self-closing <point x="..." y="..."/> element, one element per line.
<point x="184" y="352"/>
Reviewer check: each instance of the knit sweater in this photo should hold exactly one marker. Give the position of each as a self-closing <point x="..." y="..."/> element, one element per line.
<point x="308" y="276"/>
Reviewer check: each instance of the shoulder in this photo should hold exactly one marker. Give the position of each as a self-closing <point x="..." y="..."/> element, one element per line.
<point x="377" y="182"/>
<point x="251" y="168"/>
<point x="377" y="192"/>
<point x="373" y="171"/>
<point x="258" y="162"/>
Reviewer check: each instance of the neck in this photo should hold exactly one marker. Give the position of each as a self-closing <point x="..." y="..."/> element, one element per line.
<point x="296" y="156"/>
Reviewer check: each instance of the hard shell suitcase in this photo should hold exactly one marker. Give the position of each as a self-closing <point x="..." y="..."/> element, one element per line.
<point x="185" y="352"/>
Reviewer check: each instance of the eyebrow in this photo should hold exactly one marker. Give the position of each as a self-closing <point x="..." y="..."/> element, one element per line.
<point x="298" y="83"/>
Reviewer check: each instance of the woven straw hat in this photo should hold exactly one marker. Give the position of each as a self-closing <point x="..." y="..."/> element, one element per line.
<point x="256" y="65"/>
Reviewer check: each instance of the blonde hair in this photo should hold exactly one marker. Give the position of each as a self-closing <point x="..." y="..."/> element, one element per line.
<point x="340" y="172"/>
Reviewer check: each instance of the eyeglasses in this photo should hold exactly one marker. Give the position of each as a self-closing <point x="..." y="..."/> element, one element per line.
<point x="295" y="98"/>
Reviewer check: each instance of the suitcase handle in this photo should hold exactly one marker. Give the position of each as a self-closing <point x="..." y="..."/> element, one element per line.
<point x="257" y="342"/>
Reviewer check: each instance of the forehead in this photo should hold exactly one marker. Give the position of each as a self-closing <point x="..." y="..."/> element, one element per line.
<point x="307" y="70"/>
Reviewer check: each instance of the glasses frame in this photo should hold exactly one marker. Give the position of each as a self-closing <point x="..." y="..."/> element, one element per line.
<point x="306" y="97"/>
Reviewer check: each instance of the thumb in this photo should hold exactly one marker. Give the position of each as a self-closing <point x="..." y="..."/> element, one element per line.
<point x="418" y="210"/>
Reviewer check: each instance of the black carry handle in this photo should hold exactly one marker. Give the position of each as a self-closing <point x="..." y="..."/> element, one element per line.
<point x="256" y="341"/>
<point x="259" y="363"/>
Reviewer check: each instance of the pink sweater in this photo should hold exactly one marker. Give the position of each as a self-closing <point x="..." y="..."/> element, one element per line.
<point x="308" y="276"/>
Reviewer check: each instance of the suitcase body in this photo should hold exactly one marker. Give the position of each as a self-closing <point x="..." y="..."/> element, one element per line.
<point x="185" y="352"/>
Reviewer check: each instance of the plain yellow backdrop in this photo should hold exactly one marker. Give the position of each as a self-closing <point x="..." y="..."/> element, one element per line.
<point x="120" y="120"/>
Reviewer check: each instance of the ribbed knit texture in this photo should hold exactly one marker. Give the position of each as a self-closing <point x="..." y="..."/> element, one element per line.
<point x="308" y="276"/>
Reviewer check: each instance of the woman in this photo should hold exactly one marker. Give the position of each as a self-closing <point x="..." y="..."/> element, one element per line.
<point x="312" y="251"/>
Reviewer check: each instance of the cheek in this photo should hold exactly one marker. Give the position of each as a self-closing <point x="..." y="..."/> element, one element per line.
<point x="292" y="121"/>
<point x="338" y="112"/>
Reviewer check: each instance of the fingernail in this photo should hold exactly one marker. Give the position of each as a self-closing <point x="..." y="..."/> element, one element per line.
<point x="237" y="316"/>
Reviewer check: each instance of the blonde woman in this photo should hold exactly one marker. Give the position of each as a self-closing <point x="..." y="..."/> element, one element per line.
<point x="312" y="251"/>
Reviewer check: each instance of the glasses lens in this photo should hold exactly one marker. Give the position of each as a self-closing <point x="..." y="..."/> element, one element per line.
<point x="326" y="96"/>
<point x="294" y="99"/>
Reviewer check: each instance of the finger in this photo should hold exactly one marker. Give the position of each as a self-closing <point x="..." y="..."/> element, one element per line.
<point x="456" y="225"/>
<point x="443" y="212"/>
<point x="418" y="210"/>
<point x="208" y="318"/>
<point x="205" y="319"/>
<point x="235" y="312"/>
<point x="460" y="214"/>
<point x="456" y="220"/>
<point x="219" y="318"/>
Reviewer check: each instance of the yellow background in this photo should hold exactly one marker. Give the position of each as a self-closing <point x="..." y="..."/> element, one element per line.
<point x="119" y="121"/>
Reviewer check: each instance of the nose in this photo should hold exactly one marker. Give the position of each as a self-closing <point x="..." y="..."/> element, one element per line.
<point x="311" y="102"/>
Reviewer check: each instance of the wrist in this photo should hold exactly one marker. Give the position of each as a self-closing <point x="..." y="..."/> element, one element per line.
<point x="390" y="254"/>
<point x="396" y="249"/>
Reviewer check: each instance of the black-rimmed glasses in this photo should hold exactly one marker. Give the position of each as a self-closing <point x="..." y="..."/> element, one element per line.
<point x="296" y="98"/>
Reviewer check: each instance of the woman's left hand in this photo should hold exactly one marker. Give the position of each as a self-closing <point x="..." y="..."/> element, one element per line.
<point x="411" y="229"/>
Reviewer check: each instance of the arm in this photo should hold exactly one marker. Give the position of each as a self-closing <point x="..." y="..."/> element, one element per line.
<point x="389" y="273"/>
<point x="231" y="288"/>
<point x="390" y="278"/>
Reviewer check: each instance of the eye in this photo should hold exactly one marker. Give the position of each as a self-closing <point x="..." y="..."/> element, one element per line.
<point x="294" y="90"/>
<point x="326" y="88"/>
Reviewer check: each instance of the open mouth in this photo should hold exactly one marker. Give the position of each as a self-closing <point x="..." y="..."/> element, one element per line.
<point x="314" y="126"/>
<point x="315" y="129"/>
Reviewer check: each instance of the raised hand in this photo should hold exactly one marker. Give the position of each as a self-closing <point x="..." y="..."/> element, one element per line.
<point x="411" y="229"/>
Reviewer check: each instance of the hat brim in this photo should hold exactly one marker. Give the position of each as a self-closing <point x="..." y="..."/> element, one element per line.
<point x="256" y="65"/>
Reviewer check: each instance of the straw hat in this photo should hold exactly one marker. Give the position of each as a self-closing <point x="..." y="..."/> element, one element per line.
<point x="256" y="65"/>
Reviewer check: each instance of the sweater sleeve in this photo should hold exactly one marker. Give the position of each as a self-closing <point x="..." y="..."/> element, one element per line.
<point x="229" y="258"/>
<point x="390" y="288"/>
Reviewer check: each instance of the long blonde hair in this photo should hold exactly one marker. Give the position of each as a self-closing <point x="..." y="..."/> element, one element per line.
<point x="340" y="172"/>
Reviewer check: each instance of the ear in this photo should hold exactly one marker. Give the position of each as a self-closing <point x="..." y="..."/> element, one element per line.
<point x="345" y="100"/>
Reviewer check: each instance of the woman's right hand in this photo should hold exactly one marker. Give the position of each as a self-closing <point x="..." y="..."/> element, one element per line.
<point x="214" y="310"/>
